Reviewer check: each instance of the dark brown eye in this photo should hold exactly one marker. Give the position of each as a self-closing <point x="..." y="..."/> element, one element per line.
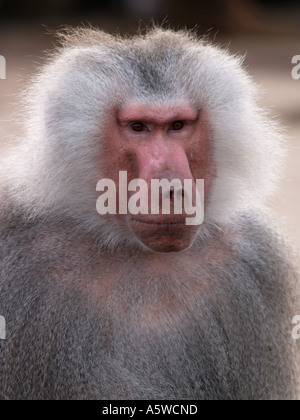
<point x="137" y="127"/>
<point x="177" y="125"/>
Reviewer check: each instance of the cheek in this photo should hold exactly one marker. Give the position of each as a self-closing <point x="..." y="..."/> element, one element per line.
<point x="200" y="153"/>
<point x="200" y="157"/>
<point x="116" y="156"/>
<point x="200" y="161"/>
<point x="127" y="161"/>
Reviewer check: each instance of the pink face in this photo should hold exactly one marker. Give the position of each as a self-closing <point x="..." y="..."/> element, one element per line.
<point x="160" y="142"/>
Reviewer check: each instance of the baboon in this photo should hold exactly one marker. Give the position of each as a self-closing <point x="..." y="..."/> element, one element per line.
<point x="144" y="307"/>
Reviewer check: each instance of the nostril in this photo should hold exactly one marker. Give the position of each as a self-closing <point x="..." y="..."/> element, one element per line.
<point x="179" y="192"/>
<point x="172" y="193"/>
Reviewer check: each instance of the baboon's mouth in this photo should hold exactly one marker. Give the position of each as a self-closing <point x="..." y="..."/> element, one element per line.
<point x="163" y="222"/>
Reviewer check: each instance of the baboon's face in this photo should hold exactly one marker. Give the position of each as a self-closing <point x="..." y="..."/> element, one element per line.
<point x="154" y="143"/>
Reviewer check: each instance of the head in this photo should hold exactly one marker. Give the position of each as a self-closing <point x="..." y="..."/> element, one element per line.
<point x="161" y="106"/>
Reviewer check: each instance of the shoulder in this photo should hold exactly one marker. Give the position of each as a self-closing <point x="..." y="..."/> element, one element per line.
<point x="27" y="242"/>
<point x="257" y="242"/>
<point x="263" y="259"/>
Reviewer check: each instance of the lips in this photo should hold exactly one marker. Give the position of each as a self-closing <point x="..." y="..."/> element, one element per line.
<point x="162" y="234"/>
<point x="160" y="222"/>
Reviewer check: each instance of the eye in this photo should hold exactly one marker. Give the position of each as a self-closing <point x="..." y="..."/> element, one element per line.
<point x="177" y="125"/>
<point x="138" y="127"/>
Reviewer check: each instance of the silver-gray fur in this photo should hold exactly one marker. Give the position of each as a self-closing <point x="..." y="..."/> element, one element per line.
<point x="92" y="315"/>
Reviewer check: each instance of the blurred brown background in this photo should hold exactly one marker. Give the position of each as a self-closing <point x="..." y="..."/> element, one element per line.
<point x="268" y="32"/>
